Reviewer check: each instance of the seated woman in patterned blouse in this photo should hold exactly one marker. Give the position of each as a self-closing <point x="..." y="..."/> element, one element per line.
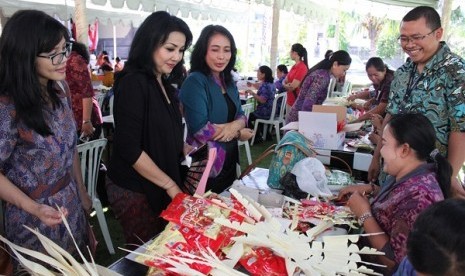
<point x="418" y="177"/>
<point x="264" y="97"/>
<point x="314" y="89"/>
<point x="377" y="98"/>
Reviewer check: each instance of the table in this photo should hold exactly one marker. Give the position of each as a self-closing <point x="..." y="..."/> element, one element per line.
<point x="127" y="267"/>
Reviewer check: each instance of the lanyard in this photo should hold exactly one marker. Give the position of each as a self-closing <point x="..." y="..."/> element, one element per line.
<point x="412" y="83"/>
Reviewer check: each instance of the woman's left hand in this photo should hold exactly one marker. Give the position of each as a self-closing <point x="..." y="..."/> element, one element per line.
<point x="225" y="132"/>
<point x="358" y="204"/>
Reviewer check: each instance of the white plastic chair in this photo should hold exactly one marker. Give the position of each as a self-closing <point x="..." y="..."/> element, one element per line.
<point x="100" y="96"/>
<point x="331" y="86"/>
<point x="90" y="154"/>
<point x="276" y="118"/>
<point x="247" y="108"/>
<point x="345" y="89"/>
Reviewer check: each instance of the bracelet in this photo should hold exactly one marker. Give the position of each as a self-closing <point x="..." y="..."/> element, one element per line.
<point x="85" y="122"/>
<point x="364" y="217"/>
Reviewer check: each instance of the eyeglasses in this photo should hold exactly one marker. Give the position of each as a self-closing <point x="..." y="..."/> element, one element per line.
<point x="58" y="58"/>
<point x="404" y="40"/>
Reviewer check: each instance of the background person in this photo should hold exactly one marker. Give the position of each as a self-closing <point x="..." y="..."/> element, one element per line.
<point x="281" y="73"/>
<point x="436" y="244"/>
<point x="39" y="163"/>
<point x="118" y="64"/>
<point x="377" y="99"/>
<point x="212" y="108"/>
<point x="86" y="110"/>
<point x="296" y="75"/>
<point x="148" y="139"/>
<point x="264" y="97"/>
<point x="418" y="176"/>
<point x="431" y="83"/>
<point x="314" y="89"/>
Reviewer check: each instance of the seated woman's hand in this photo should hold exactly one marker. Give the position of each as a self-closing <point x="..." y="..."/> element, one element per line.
<point x="377" y="121"/>
<point x="367" y="105"/>
<point x="352" y="97"/>
<point x="374" y="138"/>
<point x="349" y="190"/>
<point x="358" y="204"/>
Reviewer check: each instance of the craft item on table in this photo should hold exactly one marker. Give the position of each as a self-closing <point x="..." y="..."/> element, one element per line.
<point x="361" y="143"/>
<point x="262" y="247"/>
<point x="312" y="212"/>
<point x="57" y="258"/>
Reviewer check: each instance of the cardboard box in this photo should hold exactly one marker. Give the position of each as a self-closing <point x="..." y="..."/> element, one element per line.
<point x="320" y="126"/>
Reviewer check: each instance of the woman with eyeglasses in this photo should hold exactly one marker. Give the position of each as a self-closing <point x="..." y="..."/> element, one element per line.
<point x="39" y="163"/>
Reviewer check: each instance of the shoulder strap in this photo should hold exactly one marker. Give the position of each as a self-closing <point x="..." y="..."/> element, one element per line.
<point x="268" y="151"/>
<point x="308" y="152"/>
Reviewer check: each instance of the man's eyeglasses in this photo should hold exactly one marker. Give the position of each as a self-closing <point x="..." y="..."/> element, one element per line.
<point x="404" y="40"/>
<point x="58" y="57"/>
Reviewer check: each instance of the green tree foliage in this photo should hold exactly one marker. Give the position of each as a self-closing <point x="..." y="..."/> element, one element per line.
<point x="387" y="45"/>
<point x="456" y="38"/>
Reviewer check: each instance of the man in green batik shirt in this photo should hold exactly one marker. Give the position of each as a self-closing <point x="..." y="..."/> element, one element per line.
<point x="431" y="82"/>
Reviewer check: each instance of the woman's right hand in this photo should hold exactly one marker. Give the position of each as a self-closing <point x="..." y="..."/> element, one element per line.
<point x="377" y="121"/>
<point x="352" y="97"/>
<point x="173" y="191"/>
<point x="49" y="215"/>
<point x="246" y="134"/>
<point x="349" y="190"/>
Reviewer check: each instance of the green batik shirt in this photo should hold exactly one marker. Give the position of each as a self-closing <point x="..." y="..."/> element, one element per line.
<point x="438" y="93"/>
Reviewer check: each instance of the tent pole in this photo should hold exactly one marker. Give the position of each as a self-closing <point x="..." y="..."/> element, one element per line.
<point x="274" y="35"/>
<point x="114" y="41"/>
<point x="81" y="21"/>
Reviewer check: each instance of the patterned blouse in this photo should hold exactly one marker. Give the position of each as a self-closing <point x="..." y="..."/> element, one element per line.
<point x="279" y="84"/>
<point x="313" y="91"/>
<point x="438" y="93"/>
<point x="399" y="203"/>
<point x="80" y="84"/>
<point x="36" y="164"/>
<point x="266" y="90"/>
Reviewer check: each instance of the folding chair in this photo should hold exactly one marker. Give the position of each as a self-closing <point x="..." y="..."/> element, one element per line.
<point x="247" y="108"/>
<point x="90" y="154"/>
<point x="276" y="118"/>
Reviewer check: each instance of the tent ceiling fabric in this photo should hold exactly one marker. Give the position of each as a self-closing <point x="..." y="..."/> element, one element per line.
<point x="409" y="3"/>
<point x="231" y="10"/>
<point x="218" y="10"/>
<point x="133" y="12"/>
